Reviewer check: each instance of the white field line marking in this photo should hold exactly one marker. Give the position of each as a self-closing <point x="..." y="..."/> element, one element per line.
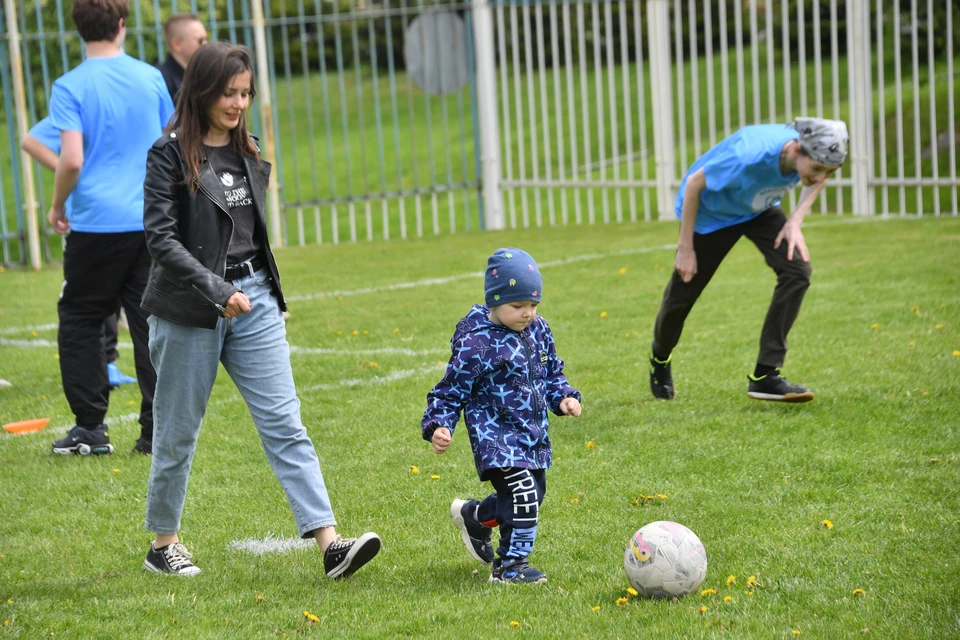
<point x="320" y="351"/>
<point x="6" y="331"/>
<point x="376" y="380"/>
<point x="271" y="544"/>
<point x="36" y="343"/>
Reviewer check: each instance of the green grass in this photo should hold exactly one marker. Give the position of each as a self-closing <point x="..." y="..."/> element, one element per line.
<point x="877" y="453"/>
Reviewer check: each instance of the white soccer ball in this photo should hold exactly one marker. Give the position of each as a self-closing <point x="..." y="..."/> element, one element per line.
<point x="665" y="560"/>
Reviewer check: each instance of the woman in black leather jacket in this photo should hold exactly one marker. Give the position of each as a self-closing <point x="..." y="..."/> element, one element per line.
<point x="214" y="296"/>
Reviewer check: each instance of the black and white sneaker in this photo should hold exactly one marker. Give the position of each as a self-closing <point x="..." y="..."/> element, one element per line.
<point x="661" y="382"/>
<point x="774" y="387"/>
<point x="476" y="537"/>
<point x="515" y="571"/>
<point x="85" y="441"/>
<point x="346" y="555"/>
<point x="173" y="560"/>
<point x="143" y="446"/>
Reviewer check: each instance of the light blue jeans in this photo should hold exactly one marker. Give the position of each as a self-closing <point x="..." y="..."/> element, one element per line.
<point x="253" y="349"/>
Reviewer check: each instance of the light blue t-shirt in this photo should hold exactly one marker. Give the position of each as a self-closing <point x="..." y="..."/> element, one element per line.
<point x="49" y="136"/>
<point x="120" y="105"/>
<point x="743" y="177"/>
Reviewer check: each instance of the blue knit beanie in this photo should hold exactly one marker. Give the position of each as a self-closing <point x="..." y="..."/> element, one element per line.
<point x="511" y="276"/>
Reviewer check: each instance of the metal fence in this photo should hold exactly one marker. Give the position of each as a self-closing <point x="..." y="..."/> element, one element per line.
<point x="414" y="117"/>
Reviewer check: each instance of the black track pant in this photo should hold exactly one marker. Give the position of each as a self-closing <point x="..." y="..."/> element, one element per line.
<point x="515" y="507"/>
<point x="100" y="269"/>
<point x="793" y="279"/>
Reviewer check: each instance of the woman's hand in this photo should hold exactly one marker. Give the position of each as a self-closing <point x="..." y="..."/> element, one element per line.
<point x="686" y="263"/>
<point x="441" y="440"/>
<point x="236" y="304"/>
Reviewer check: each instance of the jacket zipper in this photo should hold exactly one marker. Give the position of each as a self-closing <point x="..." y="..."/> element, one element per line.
<point x="219" y="307"/>
<point x="533" y="388"/>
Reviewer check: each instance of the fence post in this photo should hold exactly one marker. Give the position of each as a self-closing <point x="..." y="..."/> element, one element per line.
<point x="658" y="35"/>
<point x="274" y="212"/>
<point x="861" y="108"/>
<point x="487" y="110"/>
<point x="19" y="94"/>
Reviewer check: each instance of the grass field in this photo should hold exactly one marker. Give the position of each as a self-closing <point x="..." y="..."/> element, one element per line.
<point x="877" y="454"/>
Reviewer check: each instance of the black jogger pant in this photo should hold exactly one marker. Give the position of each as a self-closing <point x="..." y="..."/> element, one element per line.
<point x="515" y="508"/>
<point x="793" y="279"/>
<point x="100" y="269"/>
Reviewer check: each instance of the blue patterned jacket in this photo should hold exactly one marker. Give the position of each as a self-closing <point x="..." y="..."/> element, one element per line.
<point x="503" y="381"/>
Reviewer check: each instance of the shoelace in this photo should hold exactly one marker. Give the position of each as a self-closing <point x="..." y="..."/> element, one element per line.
<point x="177" y="556"/>
<point x="340" y="544"/>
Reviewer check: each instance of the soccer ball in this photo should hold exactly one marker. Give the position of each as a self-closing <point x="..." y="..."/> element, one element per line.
<point x="665" y="560"/>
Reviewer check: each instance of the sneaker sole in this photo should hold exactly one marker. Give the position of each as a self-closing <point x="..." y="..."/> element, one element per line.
<point x="152" y="569"/>
<point x="790" y="397"/>
<point x="458" y="521"/>
<point x="85" y="450"/>
<point x="493" y="580"/>
<point x="363" y="551"/>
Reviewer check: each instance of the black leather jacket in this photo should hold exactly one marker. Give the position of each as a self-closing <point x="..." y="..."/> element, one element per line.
<point x="188" y="234"/>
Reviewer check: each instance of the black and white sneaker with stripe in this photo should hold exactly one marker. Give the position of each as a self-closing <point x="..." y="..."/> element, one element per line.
<point x="476" y="537"/>
<point x="171" y="560"/>
<point x="346" y="555"/>
<point x="773" y="386"/>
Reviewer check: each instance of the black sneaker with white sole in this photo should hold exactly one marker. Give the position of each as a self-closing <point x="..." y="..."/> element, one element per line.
<point x="85" y="442"/>
<point x="346" y="555"/>
<point x="143" y="445"/>
<point x="476" y="537"/>
<point x="773" y="386"/>
<point x="661" y="381"/>
<point x="515" y="571"/>
<point x="171" y="560"/>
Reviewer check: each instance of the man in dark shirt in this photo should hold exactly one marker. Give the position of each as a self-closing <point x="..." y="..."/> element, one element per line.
<point x="184" y="34"/>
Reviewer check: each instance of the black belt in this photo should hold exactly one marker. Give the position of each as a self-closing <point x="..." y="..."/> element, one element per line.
<point x="244" y="269"/>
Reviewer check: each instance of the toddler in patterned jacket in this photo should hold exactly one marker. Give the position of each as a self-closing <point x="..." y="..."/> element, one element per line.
<point x="503" y="374"/>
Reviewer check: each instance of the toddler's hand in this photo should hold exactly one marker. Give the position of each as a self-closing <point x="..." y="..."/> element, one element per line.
<point x="441" y="440"/>
<point x="570" y="407"/>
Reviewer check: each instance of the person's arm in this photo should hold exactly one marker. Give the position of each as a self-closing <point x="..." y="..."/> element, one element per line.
<point x="562" y="398"/>
<point x="66" y="174"/>
<point x="446" y="400"/>
<point x="686" y="260"/>
<point x="791" y="230"/>
<point x="39" y="152"/>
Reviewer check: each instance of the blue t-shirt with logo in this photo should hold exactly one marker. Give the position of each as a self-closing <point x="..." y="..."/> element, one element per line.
<point x="120" y="105"/>
<point x="743" y="177"/>
<point x="49" y="136"/>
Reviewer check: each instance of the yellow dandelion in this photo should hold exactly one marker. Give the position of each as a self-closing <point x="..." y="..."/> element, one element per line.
<point x="728" y="598"/>
<point x="57" y="356"/>
<point x="131" y="402"/>
<point x="915" y="308"/>
<point x="339" y="297"/>
<point x="858" y="592"/>
<point x="434" y="477"/>
<point x="33" y="333"/>
<point x="751" y="581"/>
<point x="603" y="314"/>
<point x="662" y="496"/>
<point x="623" y="271"/>
<point x="956" y="352"/>
<point x="260" y="597"/>
<point x="354" y="333"/>
<point x="309" y="616"/>
<point x="621" y="601"/>
<point x="828" y="524"/>
<point x="731" y="580"/>
<point x="912" y="343"/>
<point x="374" y="365"/>
<point x="633" y="592"/>
<point x="795" y="632"/>
<point x="2" y="269"/>
<point x="5" y="622"/>
<point x="575" y="501"/>
<point x="591" y="444"/>
<point x="650" y="497"/>
<point x="9" y="601"/>
<point x="596" y="608"/>
<point x="339" y="332"/>
<point x="115" y="470"/>
<point x="42" y="397"/>
<point x="414" y="469"/>
<point x="703" y="609"/>
<point x="875" y="325"/>
<point x="366" y="332"/>
<point x="925" y="393"/>
<point x="748" y="592"/>
<point x="939" y="326"/>
<point x="708" y="592"/>
<point x="514" y="623"/>
<point x="397" y="330"/>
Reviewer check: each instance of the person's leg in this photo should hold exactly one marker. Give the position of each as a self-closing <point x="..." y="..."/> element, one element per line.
<point x="476" y="535"/>
<point x="186" y="361"/>
<point x="793" y="279"/>
<point x="110" y="338"/>
<point x="137" y="272"/>
<point x="519" y="495"/>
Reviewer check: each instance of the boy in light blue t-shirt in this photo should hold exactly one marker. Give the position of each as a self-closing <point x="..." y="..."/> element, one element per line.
<point x="734" y="190"/>
<point x="109" y="111"/>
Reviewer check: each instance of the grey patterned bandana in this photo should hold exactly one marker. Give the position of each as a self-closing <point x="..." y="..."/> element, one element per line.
<point x="824" y="140"/>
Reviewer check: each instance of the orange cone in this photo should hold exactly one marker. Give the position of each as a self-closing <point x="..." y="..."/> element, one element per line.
<point x="26" y="426"/>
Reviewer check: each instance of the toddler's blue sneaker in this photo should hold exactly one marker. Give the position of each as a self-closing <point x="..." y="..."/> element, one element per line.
<point x="117" y="377"/>
<point x="515" y="571"/>
<point x="476" y="537"/>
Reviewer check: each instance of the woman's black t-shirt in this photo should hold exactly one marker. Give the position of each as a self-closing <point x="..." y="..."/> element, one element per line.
<point x="230" y="170"/>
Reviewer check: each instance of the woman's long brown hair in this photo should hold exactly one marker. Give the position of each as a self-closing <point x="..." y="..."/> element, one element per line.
<point x="208" y="73"/>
